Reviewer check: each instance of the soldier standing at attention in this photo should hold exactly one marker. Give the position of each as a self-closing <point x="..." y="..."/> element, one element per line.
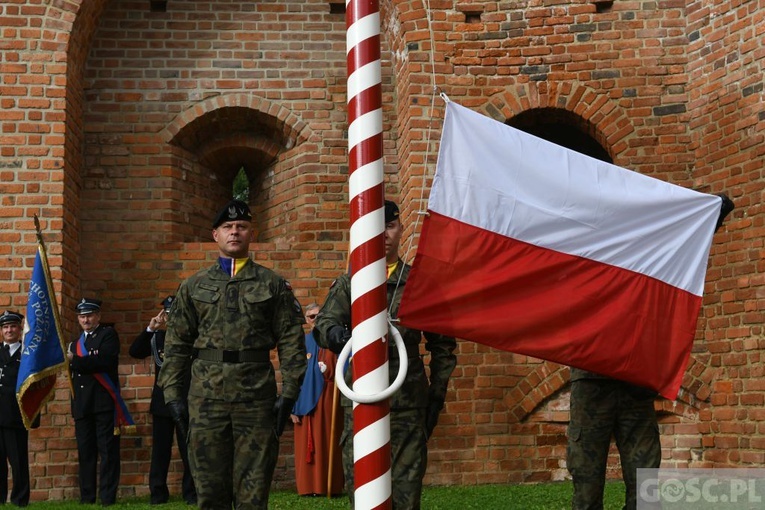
<point x="14" y="446"/>
<point x="414" y="409"/>
<point x="225" y="321"/>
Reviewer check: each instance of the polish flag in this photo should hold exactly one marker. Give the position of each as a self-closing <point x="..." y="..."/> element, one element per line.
<point x="539" y="250"/>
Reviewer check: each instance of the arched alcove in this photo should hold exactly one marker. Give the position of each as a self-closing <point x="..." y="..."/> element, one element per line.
<point x="213" y="141"/>
<point x="563" y="128"/>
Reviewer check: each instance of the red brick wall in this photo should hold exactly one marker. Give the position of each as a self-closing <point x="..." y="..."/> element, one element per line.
<point x="726" y="96"/>
<point x="122" y="129"/>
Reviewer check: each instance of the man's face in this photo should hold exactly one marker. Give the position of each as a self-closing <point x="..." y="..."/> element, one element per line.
<point x="90" y="321"/>
<point x="233" y="238"/>
<point x="310" y="316"/>
<point x="393" y="231"/>
<point x="11" y="332"/>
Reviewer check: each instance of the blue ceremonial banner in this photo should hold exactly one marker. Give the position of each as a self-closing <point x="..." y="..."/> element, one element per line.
<point x="42" y="355"/>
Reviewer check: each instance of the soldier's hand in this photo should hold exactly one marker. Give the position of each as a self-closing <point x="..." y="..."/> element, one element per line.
<point x="179" y="412"/>
<point x="431" y="416"/>
<point x="337" y="337"/>
<point x="282" y="410"/>
<point x="726" y="207"/>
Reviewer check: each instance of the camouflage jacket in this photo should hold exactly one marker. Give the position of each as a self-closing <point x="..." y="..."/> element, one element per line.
<point x="416" y="391"/>
<point x="253" y="310"/>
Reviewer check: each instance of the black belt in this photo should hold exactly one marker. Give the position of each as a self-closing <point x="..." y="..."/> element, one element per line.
<point x="221" y="356"/>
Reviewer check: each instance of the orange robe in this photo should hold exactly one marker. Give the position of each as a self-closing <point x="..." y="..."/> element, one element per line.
<point x="312" y="438"/>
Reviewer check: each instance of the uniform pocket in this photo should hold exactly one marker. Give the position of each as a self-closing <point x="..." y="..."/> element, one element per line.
<point x="206" y="293"/>
<point x="257" y="302"/>
<point x="256" y="296"/>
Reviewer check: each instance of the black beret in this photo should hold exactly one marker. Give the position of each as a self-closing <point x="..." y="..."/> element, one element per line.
<point x="233" y="211"/>
<point x="391" y="211"/>
<point x="10" y="317"/>
<point x="167" y="302"/>
<point x="88" y="305"/>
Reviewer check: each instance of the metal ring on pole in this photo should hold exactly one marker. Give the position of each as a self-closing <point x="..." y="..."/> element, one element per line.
<point x="382" y="395"/>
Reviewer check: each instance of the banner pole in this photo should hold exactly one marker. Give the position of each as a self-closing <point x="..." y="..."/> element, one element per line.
<point x="54" y="303"/>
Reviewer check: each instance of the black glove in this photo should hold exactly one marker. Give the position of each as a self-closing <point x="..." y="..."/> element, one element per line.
<point x="431" y="416"/>
<point x="337" y="337"/>
<point x="180" y="415"/>
<point x="282" y="410"/>
<point x="725" y="209"/>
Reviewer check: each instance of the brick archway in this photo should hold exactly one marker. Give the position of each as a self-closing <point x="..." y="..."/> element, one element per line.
<point x="216" y="138"/>
<point x="284" y="125"/>
<point x="606" y="123"/>
<point x="540" y="384"/>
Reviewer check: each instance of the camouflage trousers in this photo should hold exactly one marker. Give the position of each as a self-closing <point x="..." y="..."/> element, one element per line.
<point x="409" y="456"/>
<point x="232" y="451"/>
<point x="600" y="409"/>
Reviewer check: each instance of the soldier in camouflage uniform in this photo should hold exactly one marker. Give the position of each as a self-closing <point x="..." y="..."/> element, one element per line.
<point x="417" y="404"/>
<point x="602" y="407"/>
<point x="223" y="324"/>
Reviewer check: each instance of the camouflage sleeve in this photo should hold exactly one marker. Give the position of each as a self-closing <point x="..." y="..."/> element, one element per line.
<point x="442" y="363"/>
<point x="179" y="345"/>
<point x="336" y="310"/>
<point x="290" y="343"/>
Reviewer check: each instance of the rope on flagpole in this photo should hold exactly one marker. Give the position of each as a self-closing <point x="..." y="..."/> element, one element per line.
<point x="427" y="168"/>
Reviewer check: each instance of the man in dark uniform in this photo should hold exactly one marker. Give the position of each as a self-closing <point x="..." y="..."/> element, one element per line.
<point x="93" y="360"/>
<point x="417" y="404"/>
<point x="228" y="318"/>
<point x="14" y="449"/>
<point x="151" y="342"/>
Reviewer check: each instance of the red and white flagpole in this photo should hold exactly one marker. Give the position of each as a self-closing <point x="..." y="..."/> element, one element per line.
<point x="371" y="439"/>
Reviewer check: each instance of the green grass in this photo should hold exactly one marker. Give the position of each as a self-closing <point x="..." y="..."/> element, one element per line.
<point x="548" y="496"/>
